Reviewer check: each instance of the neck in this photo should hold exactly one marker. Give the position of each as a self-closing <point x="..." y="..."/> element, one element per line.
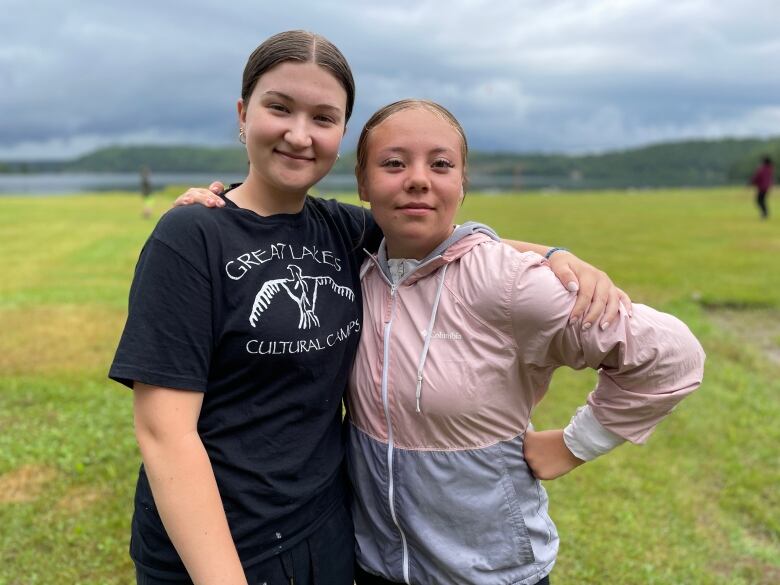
<point x="400" y="247"/>
<point x="264" y="199"/>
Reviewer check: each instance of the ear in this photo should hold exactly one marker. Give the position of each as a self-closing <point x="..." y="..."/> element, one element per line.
<point x="241" y="112"/>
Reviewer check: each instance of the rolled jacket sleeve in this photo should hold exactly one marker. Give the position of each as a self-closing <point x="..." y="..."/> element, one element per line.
<point x="587" y="438"/>
<point x="646" y="363"/>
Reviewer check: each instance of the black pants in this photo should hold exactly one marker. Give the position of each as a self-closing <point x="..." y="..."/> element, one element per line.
<point x="761" y="201"/>
<point x="363" y="578"/>
<point x="325" y="557"/>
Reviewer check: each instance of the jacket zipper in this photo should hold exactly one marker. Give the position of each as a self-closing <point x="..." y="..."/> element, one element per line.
<point x="386" y="404"/>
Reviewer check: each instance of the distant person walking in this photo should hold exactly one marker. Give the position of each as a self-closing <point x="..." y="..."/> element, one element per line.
<point x="146" y="192"/>
<point x="762" y="179"/>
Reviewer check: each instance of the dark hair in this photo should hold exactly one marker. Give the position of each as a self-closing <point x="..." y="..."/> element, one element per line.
<point x="767" y="160"/>
<point x="304" y="47"/>
<point x="385" y="112"/>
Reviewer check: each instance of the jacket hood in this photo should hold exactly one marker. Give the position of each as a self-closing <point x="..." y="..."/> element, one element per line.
<point x="461" y="241"/>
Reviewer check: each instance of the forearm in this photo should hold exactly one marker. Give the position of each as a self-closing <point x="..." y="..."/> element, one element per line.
<point x="186" y="495"/>
<point x="527" y="247"/>
<point x="547" y="454"/>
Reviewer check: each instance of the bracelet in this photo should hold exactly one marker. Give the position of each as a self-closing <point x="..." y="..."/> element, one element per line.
<point x="552" y="251"/>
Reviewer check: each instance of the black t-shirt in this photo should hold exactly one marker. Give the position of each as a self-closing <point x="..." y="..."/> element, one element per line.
<point x="263" y="315"/>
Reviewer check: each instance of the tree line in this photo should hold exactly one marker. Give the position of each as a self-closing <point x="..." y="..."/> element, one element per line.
<point x="673" y="164"/>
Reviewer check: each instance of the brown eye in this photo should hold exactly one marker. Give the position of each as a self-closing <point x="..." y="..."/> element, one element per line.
<point x="324" y="119"/>
<point x="393" y="163"/>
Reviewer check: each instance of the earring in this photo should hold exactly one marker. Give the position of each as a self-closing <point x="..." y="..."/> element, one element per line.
<point x="241" y="136"/>
<point x="338" y="155"/>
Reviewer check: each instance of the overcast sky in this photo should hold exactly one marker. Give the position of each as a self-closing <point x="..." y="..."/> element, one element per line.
<point x="521" y="75"/>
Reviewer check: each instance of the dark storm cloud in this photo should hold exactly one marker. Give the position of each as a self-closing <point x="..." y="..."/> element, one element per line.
<point x="560" y="75"/>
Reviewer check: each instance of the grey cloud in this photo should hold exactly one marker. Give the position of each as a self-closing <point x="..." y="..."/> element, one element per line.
<point x="559" y="75"/>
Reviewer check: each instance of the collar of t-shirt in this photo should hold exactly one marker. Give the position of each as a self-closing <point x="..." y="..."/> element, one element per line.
<point x="400" y="267"/>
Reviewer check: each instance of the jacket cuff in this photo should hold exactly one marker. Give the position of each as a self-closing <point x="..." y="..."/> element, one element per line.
<point x="587" y="438"/>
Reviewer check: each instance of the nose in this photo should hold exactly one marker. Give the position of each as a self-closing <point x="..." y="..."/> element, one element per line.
<point x="298" y="135"/>
<point x="417" y="179"/>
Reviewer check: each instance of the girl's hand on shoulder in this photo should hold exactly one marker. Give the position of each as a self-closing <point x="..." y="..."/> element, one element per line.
<point x="547" y="455"/>
<point x="596" y="293"/>
<point x="208" y="197"/>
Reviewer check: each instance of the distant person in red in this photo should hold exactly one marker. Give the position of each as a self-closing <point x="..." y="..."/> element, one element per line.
<point x="762" y="179"/>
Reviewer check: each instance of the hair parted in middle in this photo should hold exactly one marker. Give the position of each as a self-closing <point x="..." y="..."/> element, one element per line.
<point x="304" y="47"/>
<point x="385" y="112"/>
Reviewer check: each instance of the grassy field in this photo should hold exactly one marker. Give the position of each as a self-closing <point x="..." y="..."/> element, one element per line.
<point x="700" y="504"/>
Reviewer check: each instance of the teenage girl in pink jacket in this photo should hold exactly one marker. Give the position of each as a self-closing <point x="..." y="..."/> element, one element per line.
<point x="461" y="336"/>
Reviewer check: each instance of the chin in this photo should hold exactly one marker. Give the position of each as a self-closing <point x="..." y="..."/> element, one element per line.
<point x="297" y="183"/>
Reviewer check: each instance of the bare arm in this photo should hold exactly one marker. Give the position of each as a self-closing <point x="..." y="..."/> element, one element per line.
<point x="528" y="247"/>
<point x="183" y="484"/>
<point x="547" y="454"/>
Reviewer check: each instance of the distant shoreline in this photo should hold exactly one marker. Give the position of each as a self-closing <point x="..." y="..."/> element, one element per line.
<point x="676" y="164"/>
<point x="64" y="184"/>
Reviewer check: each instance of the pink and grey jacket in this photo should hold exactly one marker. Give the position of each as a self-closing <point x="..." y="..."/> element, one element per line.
<point x="452" y="360"/>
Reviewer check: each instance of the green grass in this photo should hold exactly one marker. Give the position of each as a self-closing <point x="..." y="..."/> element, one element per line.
<point x="699" y="504"/>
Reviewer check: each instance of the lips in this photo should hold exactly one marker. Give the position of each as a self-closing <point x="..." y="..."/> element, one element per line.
<point x="416" y="209"/>
<point x="416" y="206"/>
<point x="294" y="156"/>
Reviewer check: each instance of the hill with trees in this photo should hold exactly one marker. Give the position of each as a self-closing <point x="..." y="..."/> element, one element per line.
<point x="674" y="164"/>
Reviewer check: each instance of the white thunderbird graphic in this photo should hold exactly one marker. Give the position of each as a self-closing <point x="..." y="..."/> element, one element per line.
<point x="302" y="289"/>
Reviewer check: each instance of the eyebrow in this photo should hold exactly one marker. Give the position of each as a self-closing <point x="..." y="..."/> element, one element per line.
<point x="289" y="98"/>
<point x="402" y="150"/>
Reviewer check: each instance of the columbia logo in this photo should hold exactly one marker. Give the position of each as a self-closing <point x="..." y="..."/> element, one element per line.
<point x="442" y="334"/>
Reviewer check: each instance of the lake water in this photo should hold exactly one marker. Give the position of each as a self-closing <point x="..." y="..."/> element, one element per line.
<point x="70" y="183"/>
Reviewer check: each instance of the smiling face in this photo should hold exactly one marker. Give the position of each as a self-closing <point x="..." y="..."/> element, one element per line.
<point x="293" y="121"/>
<point x="413" y="179"/>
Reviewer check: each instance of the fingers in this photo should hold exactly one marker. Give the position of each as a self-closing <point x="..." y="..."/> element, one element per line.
<point x="605" y="305"/>
<point x="584" y="298"/>
<point x="626" y="301"/>
<point x="217" y="188"/>
<point x="598" y="299"/>
<point x="202" y="196"/>
<point x="596" y="309"/>
<point x="567" y="277"/>
<point x="183" y="199"/>
<point x="611" y="310"/>
<point x="559" y="264"/>
<point x="601" y="297"/>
